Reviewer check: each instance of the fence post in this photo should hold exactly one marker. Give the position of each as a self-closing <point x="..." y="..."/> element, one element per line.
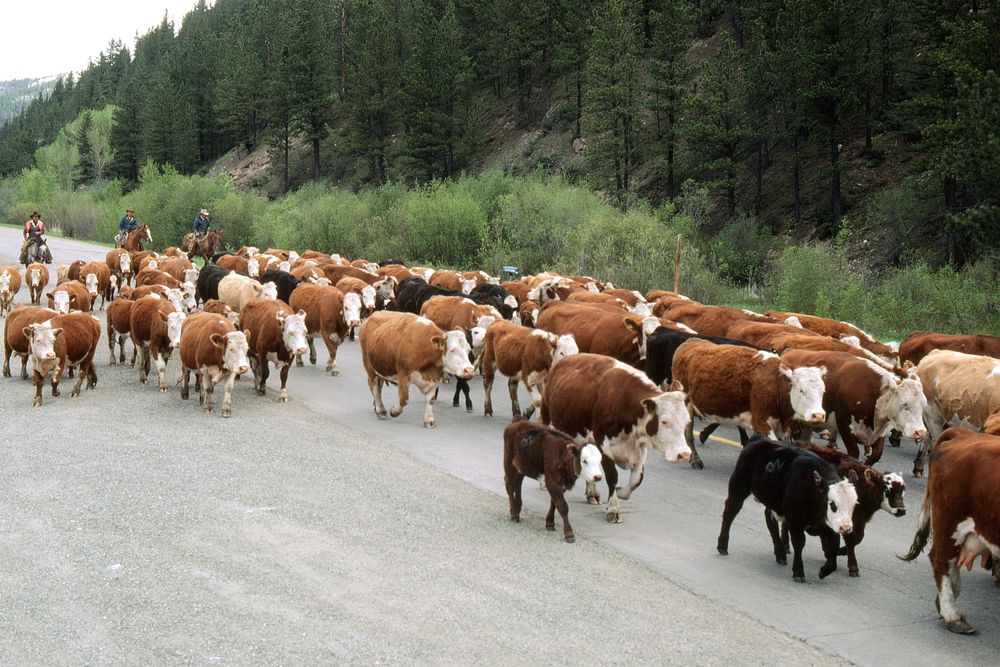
<point x="677" y="267"/>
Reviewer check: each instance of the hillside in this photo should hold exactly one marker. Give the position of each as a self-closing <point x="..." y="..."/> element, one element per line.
<point x="16" y="95"/>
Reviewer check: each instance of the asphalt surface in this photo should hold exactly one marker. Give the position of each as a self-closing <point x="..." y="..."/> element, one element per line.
<point x="137" y="529"/>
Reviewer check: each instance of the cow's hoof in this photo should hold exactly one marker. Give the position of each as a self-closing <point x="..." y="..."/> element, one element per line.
<point x="312" y="360"/>
<point x="335" y="372"/>
<point x="468" y="408"/>
<point x="112" y="363"/>
<point x="550" y="526"/>
<point x="960" y="627"/>
<point x="6" y="373"/>
<point x="299" y="363"/>
<point x="799" y="579"/>
<point x="396" y="411"/>
<point x="570" y="539"/>
<point x="454" y="404"/>
<point x="593" y="500"/>
<point x="827" y="570"/>
<point x="184" y="396"/>
<point x="381" y="415"/>
<point x="74" y="393"/>
<point x="614" y="517"/>
<point x="697" y="464"/>
<point x="262" y="392"/>
<point x="918" y="472"/>
<point x="516" y="519"/>
<point x="430" y="424"/>
<point x="142" y="380"/>
<point x="207" y="409"/>
<point x="282" y="399"/>
<point x="37" y="403"/>
<point x="163" y="390"/>
<point x="55" y="392"/>
<point x="723" y="551"/>
<point x="227" y="412"/>
<point x="854" y="573"/>
<point x="489" y="413"/>
<point x="781" y="560"/>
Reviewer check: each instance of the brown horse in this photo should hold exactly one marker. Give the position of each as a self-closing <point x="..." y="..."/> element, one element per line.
<point x="202" y="245"/>
<point x="133" y="242"/>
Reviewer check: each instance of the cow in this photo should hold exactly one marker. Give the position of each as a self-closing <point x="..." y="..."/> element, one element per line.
<point x="247" y="267"/>
<point x="919" y="344"/>
<point x="614" y="333"/>
<point x="762" y="334"/>
<point x="365" y="292"/>
<point x="837" y="329"/>
<point x="154" y="276"/>
<point x="14" y="339"/>
<point x="517" y="289"/>
<point x="120" y="264"/>
<point x="876" y="491"/>
<point x="494" y="293"/>
<point x="96" y="276"/>
<point x="708" y="320"/>
<point x="798" y="487"/>
<point x="523" y="355"/>
<point x="70" y="295"/>
<point x="236" y="291"/>
<point x="37" y="277"/>
<point x="329" y="314"/>
<point x="61" y="342"/>
<point x="404" y="348"/>
<point x="817" y="343"/>
<point x="958" y="508"/>
<point x="308" y="273"/>
<point x="527" y="312"/>
<point x="455" y="312"/>
<point x="864" y="400"/>
<point x="961" y="390"/>
<point x="533" y="450"/>
<point x="584" y="296"/>
<point x="212" y="348"/>
<point x="598" y="399"/>
<point x="147" y="261"/>
<point x="10" y="285"/>
<point x="452" y="280"/>
<point x="284" y="281"/>
<point x="179" y="268"/>
<point x="208" y="282"/>
<point x="119" y="325"/>
<point x="155" y="328"/>
<point x="755" y="390"/>
<point x="274" y="333"/>
<point x="219" y="308"/>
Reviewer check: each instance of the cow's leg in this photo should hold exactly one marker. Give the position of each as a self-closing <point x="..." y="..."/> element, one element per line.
<point x="283" y="392"/>
<point x="876" y="450"/>
<point x="707" y="432"/>
<point x="429" y="394"/>
<point x="775" y="532"/>
<point x="559" y="503"/>
<point x="206" y="392"/>
<point x="57" y="376"/>
<point x="261" y="373"/>
<point x="614" y="510"/>
<point x="185" y="382"/>
<point x="6" y="360"/>
<point x="161" y="372"/>
<point x="24" y="367"/>
<point x="403" y="384"/>
<point x="850" y="440"/>
<point x="798" y="535"/>
<point x="696" y="461"/>
<point x="111" y="344"/>
<point x="227" y="397"/>
<point x="332" y="342"/>
<point x="535" y="392"/>
<point x="135" y="352"/>
<point x="852" y="540"/>
<point x="739" y="490"/>
<point x="636" y="475"/>
<point x="375" y="385"/>
<point x="83" y="373"/>
<point x="121" y="348"/>
<point x="895" y="438"/>
<point x="831" y="545"/>
<point x="462" y="387"/>
<point x="512" y="480"/>
<point x="312" y="351"/>
<point x="39" y="381"/>
<point x="143" y="368"/>
<point x="512" y="383"/>
<point x="610" y="474"/>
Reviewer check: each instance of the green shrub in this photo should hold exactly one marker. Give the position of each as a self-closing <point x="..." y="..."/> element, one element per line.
<point x="741" y="250"/>
<point x="437" y="225"/>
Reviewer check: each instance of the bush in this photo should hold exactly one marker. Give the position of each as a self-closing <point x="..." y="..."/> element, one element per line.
<point x="436" y="225"/>
<point x="741" y="251"/>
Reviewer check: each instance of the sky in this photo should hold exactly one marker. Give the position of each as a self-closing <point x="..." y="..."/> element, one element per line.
<point x="45" y="37"/>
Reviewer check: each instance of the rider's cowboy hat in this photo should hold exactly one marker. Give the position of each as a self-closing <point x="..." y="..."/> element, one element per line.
<point x="203" y="212"/>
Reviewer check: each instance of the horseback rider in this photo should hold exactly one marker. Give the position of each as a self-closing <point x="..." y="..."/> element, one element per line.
<point x="201" y="225"/>
<point x="127" y="224"/>
<point x="34" y="232"/>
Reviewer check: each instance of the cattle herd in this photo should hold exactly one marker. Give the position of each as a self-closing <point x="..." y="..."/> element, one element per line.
<point x="610" y="373"/>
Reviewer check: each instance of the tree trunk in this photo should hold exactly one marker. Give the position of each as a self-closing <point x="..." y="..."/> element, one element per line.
<point x="579" y="101"/>
<point x="797" y="182"/>
<point x="868" y="120"/>
<point x="759" y="194"/>
<point x="835" y="195"/>
<point x="284" y="166"/>
<point x="315" y="147"/>
<point x="343" y="48"/>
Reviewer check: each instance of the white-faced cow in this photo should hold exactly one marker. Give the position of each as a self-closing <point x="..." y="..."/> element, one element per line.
<point x="212" y="348"/>
<point x="275" y="333"/>
<point x="61" y="342"/>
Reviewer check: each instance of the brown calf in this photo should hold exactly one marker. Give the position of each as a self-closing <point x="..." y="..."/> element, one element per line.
<point x="324" y="309"/>
<point x="63" y="341"/>
<point x="119" y="315"/>
<point x="212" y="348"/>
<point x="37" y="277"/>
<point x="274" y="332"/>
<point x="155" y="328"/>
<point x="14" y="340"/>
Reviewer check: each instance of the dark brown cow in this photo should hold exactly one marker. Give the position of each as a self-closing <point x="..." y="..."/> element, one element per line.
<point x="155" y="328"/>
<point x="598" y="331"/>
<point x="404" y="348"/>
<point x="14" y="339"/>
<point x="274" y="332"/>
<point x="709" y="320"/>
<point x="837" y="329"/>
<point x="68" y="296"/>
<point x="533" y="450"/>
<point x="958" y="509"/>
<point x="522" y="354"/>
<point x="597" y="399"/>
<point x="324" y="309"/>
<point x="63" y="341"/>
<point x="754" y="390"/>
<point x="212" y="348"/>
<point x="919" y="344"/>
<point x="119" y="325"/>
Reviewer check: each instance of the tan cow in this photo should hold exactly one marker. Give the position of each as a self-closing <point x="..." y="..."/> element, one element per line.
<point x="212" y="348"/>
<point x="274" y="333"/>
<point x="405" y="348"/>
<point x="236" y="291"/>
<point x="63" y="341"/>
<point x="599" y="331"/>
<point x="154" y="276"/>
<point x="457" y="312"/>
<point x="329" y="314"/>
<point x="585" y="296"/>
<point x="14" y="339"/>
<point x="708" y="320"/>
<point x="155" y="328"/>
<point x="10" y="285"/>
<point x="70" y="295"/>
<point x="37" y="277"/>
<point x="180" y="268"/>
<point x="452" y="280"/>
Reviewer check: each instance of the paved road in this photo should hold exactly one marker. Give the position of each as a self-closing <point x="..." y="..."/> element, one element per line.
<point x="313" y="530"/>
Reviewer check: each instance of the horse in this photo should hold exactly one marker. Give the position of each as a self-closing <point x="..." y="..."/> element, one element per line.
<point x="204" y="246"/>
<point x="133" y="242"/>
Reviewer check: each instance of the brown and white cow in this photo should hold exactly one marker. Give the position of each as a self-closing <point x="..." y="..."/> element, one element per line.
<point x="961" y="390"/>
<point x="155" y="329"/>
<point x="457" y="312"/>
<point x="404" y="348"/>
<point x="10" y="285"/>
<point x="247" y="267"/>
<point x="212" y="348"/>
<point x="68" y="296"/>
<point x="180" y="268"/>
<point x="275" y="333"/>
<point x="801" y="340"/>
<point x="119" y="324"/>
<point x="14" y="340"/>
<point x="527" y="312"/>
<point x="598" y="399"/>
<point x="919" y="344"/>
<point x="96" y="277"/>
<point x="517" y="289"/>
<point x="154" y="276"/>
<point x="63" y="341"/>
<point x="523" y="355"/>
<point x="367" y="293"/>
<point x="837" y="329"/>
<point x="959" y="508"/>
<point x="330" y="315"/>
<point x="863" y="400"/>
<point x="219" y="308"/>
<point x="452" y="280"/>
<point x="120" y="264"/>
<point x="37" y="277"/>
<point x="599" y="331"/>
<point x="754" y="390"/>
<point x="708" y="320"/>
<point x="585" y="296"/>
<point x="536" y="451"/>
<point x="763" y="334"/>
<point x="236" y="291"/>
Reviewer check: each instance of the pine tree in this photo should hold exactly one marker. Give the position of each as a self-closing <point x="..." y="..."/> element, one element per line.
<point x="126" y="134"/>
<point x="571" y="26"/>
<point x="86" y="173"/>
<point x="310" y="84"/>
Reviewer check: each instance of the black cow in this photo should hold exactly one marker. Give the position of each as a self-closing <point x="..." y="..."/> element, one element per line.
<point x="389" y="262"/>
<point x="798" y="486"/>
<point x="660" y="348"/>
<point x="284" y="281"/>
<point x="208" y="281"/>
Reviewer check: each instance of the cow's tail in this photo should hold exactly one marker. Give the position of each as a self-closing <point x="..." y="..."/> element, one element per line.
<point x="923" y="528"/>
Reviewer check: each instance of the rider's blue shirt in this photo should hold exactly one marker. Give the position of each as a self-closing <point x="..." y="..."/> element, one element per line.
<point x="127" y="225"/>
<point x="200" y="225"/>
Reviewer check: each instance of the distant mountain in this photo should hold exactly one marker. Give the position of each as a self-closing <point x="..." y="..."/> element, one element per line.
<point x="17" y="94"/>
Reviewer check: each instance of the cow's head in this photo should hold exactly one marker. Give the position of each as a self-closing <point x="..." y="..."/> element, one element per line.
<point x="293" y="331"/>
<point x="285" y="266"/>
<point x="456" y="351"/>
<point x="528" y="312"/>
<point x="176" y="298"/>
<point x="234" y="348"/>
<point x="477" y="339"/>
<point x="484" y="321"/>
<point x="4" y="282"/>
<point x="841" y="497"/>
<point x="586" y="460"/>
<point x="565" y="346"/>
<point x="35" y="277"/>
<point x="793" y="321"/>
<point x="902" y="402"/>
<point x="90" y="280"/>
<point x="368" y="294"/>
<point x="151" y="264"/>
<point x="386" y="288"/>
<point x="42" y="340"/>
<point x="805" y="392"/>
<point x="352" y="309"/>
<point x="269" y="291"/>
<point x="61" y="301"/>
<point x="113" y="283"/>
<point x="468" y="284"/>
<point x="174" y="322"/>
<point x="894" y="491"/>
<point x="125" y="263"/>
<point x="664" y="419"/>
<point x="253" y="267"/>
<point x="191" y="275"/>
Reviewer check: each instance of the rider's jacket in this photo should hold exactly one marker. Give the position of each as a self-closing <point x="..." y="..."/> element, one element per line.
<point x="127" y="224"/>
<point x="200" y="225"/>
<point x="33" y="231"/>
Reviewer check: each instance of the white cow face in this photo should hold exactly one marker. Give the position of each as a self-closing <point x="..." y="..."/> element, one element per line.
<point x="60" y="302"/>
<point x="285" y="266"/>
<point x="187" y="297"/>
<point x="152" y="264"/>
<point x="484" y="321"/>
<point x="234" y="355"/>
<point x="641" y="308"/>
<point x="174" y="323"/>
<point x="793" y="321"/>
<point x="591" y="469"/>
<point x="352" y="309"/>
<point x="895" y="491"/>
<point x="456" y="355"/>
<point x="565" y="346"/>
<point x="190" y="276"/>
<point x="90" y="280"/>
<point x="292" y="256"/>
<point x="666" y="418"/>
<point x="113" y="282"/>
<point x="35" y="278"/>
<point x="4" y="282"/>
<point x="841" y="499"/>
<point x="368" y="297"/>
<point x="321" y="281"/>
<point x="478" y="335"/>
<point x="176" y="298"/>
<point x="386" y="288"/>
<point x="42" y="340"/>
<point x="468" y="285"/>
<point x="510" y="300"/>
<point x="253" y="267"/>
<point x="125" y="264"/>
<point x="269" y="291"/>
<point x="904" y="405"/>
<point x="293" y="331"/>
<point x="806" y="394"/>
